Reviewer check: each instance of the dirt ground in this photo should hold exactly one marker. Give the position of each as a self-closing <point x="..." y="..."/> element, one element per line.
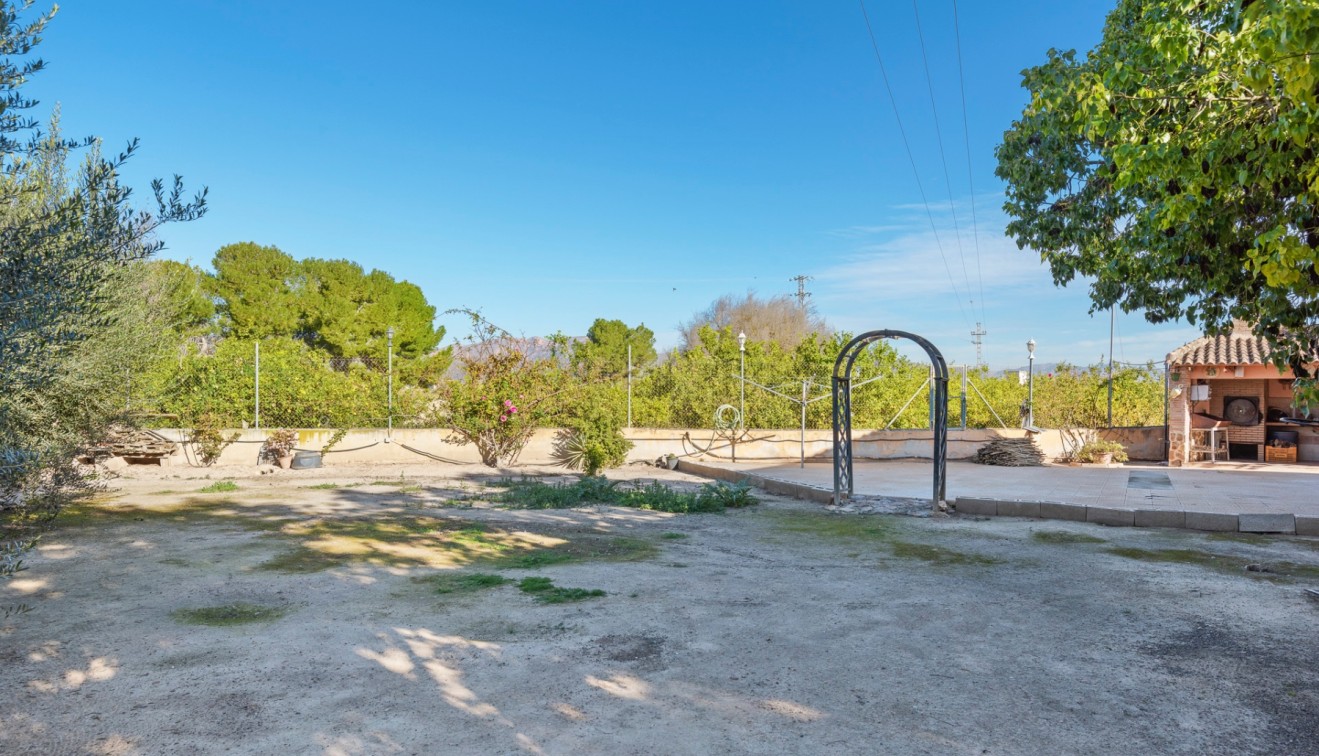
<point x="780" y="628"/>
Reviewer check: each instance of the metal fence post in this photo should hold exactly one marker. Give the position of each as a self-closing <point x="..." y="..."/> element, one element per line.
<point x="257" y="391"/>
<point x="389" y="430"/>
<point x="629" y="385"/>
<point x="964" y="397"/>
<point x="805" y="387"/>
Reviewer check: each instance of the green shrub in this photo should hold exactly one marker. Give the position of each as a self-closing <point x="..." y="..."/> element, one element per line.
<point x="1093" y="450"/>
<point x="730" y="495"/>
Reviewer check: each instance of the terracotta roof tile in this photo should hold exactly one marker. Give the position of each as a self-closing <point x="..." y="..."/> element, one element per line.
<point x="1235" y="348"/>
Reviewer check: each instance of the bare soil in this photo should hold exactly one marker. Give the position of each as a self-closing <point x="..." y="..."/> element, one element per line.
<point x="287" y="618"/>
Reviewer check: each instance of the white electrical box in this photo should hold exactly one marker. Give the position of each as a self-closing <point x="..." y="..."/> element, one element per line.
<point x="1200" y="393"/>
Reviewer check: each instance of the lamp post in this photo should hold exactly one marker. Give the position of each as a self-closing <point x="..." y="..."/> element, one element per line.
<point x="742" y="406"/>
<point x="1030" y="384"/>
<point x="389" y="338"/>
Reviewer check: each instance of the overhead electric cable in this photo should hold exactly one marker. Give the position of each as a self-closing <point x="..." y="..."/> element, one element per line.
<point x="970" y="179"/>
<point x="874" y="44"/>
<point x="943" y="158"/>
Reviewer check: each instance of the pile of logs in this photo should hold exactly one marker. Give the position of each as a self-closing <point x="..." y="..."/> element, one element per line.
<point x="1010" y="452"/>
<point x="133" y="444"/>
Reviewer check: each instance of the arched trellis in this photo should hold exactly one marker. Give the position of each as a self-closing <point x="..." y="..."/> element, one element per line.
<point x="842" y="416"/>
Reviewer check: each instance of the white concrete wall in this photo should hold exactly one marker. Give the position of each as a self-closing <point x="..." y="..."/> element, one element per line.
<point x="369" y="446"/>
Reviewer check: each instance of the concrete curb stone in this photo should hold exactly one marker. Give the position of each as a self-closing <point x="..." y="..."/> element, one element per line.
<point x="1019" y="509"/>
<point x="1267" y="523"/>
<point x="972" y="506"/>
<point x="1212" y="521"/>
<point x="1054" y="510"/>
<point x="1307" y="525"/>
<point x="1110" y="516"/>
<point x="1160" y="518"/>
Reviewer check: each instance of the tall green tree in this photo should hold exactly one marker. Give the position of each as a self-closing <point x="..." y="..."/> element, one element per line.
<point x="259" y="290"/>
<point x="1174" y="165"/>
<point x="605" y="350"/>
<point x="68" y="325"/>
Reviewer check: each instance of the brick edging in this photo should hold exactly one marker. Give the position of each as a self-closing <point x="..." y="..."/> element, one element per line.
<point x="1244" y="522"/>
<point x="770" y="485"/>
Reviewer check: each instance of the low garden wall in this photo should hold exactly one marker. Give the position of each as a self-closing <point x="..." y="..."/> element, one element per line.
<point x="376" y="446"/>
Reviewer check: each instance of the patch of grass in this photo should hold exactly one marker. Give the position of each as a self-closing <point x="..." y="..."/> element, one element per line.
<point x="527" y="493"/>
<point x="937" y="555"/>
<point x="166" y="492"/>
<point x="673" y="536"/>
<point x="302" y="560"/>
<point x="1254" y="539"/>
<point x="835" y="526"/>
<point x="175" y="562"/>
<point x="1221" y="562"/>
<point x="411" y="489"/>
<point x="227" y="615"/>
<point x="465" y="583"/>
<point x="220" y="486"/>
<point x="322" y="486"/>
<point x="593" y="548"/>
<point x="545" y="591"/>
<point x="1064" y="536"/>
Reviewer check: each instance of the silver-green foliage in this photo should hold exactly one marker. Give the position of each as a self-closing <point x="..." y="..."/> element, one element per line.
<point x="74" y="307"/>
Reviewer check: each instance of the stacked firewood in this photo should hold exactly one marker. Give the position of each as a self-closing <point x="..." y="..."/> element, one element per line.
<point x="1010" y="452"/>
<point x="132" y="443"/>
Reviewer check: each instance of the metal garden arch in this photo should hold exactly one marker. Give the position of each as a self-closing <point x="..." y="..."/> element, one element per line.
<point x="842" y="416"/>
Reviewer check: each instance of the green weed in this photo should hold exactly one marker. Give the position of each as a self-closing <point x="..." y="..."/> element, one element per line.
<point x="322" y="486"/>
<point x="220" y="486"/>
<point x="937" y="555"/>
<point x="230" y="614"/>
<point x="468" y="583"/>
<point x="1221" y="563"/>
<point x="673" y="536"/>
<point x="544" y="591"/>
<point x="1063" y="536"/>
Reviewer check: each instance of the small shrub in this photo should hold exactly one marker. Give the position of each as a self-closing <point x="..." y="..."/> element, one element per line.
<point x="730" y="495"/>
<point x="469" y="583"/>
<point x="209" y="441"/>
<point x="592" y="441"/>
<point x="1093" y="450"/>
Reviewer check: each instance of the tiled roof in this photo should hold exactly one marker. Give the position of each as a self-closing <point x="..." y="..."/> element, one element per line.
<point x="1240" y="347"/>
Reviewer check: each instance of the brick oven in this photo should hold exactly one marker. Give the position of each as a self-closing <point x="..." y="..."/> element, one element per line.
<point x="1227" y="400"/>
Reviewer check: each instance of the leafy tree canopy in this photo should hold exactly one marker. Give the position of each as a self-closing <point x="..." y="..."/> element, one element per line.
<point x="1174" y="165"/>
<point x="332" y="305"/>
<point x="607" y="341"/>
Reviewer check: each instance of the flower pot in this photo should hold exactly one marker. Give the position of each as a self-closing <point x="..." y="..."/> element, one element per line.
<point x="1104" y="459"/>
<point x="285" y="461"/>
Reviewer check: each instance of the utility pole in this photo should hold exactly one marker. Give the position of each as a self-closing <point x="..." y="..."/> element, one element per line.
<point x="802" y="293"/>
<point x="976" y="337"/>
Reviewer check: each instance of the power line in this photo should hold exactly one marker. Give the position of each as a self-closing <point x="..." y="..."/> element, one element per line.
<point x="874" y="44"/>
<point x="970" y="180"/>
<point x="938" y="135"/>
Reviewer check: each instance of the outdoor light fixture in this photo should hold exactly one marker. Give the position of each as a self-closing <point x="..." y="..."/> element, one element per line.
<point x="742" y="405"/>
<point x="1030" y="384"/>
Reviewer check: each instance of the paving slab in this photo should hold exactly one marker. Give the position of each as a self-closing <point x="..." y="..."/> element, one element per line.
<point x="1198" y="498"/>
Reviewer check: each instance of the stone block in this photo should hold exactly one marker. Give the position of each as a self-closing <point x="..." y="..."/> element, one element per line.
<point x="1267" y="523"/>
<point x="1307" y="525"/>
<point x="1212" y="521"/>
<point x="114" y="464"/>
<point x="1019" y="509"/>
<point x="971" y="506"/>
<point x="1052" y="510"/>
<point x="1160" y="518"/>
<point x="1110" y="516"/>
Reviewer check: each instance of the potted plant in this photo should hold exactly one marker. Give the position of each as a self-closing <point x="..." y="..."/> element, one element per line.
<point x="279" y="445"/>
<point x="1102" y="452"/>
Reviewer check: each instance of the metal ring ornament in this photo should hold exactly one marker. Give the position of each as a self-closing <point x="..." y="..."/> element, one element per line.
<point x="727" y="417"/>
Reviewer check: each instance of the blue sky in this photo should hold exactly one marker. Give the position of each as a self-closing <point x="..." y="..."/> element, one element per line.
<point x="554" y="162"/>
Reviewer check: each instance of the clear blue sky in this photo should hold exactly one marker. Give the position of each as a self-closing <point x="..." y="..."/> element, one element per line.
<point x="554" y="162"/>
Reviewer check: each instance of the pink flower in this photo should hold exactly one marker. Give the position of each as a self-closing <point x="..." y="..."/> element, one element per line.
<point x="503" y="418"/>
<point x="514" y="410"/>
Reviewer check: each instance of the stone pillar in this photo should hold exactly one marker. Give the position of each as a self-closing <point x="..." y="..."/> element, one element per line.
<point x="1179" y="420"/>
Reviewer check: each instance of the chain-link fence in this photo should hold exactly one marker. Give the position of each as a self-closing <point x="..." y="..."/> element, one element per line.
<point x="279" y="384"/>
